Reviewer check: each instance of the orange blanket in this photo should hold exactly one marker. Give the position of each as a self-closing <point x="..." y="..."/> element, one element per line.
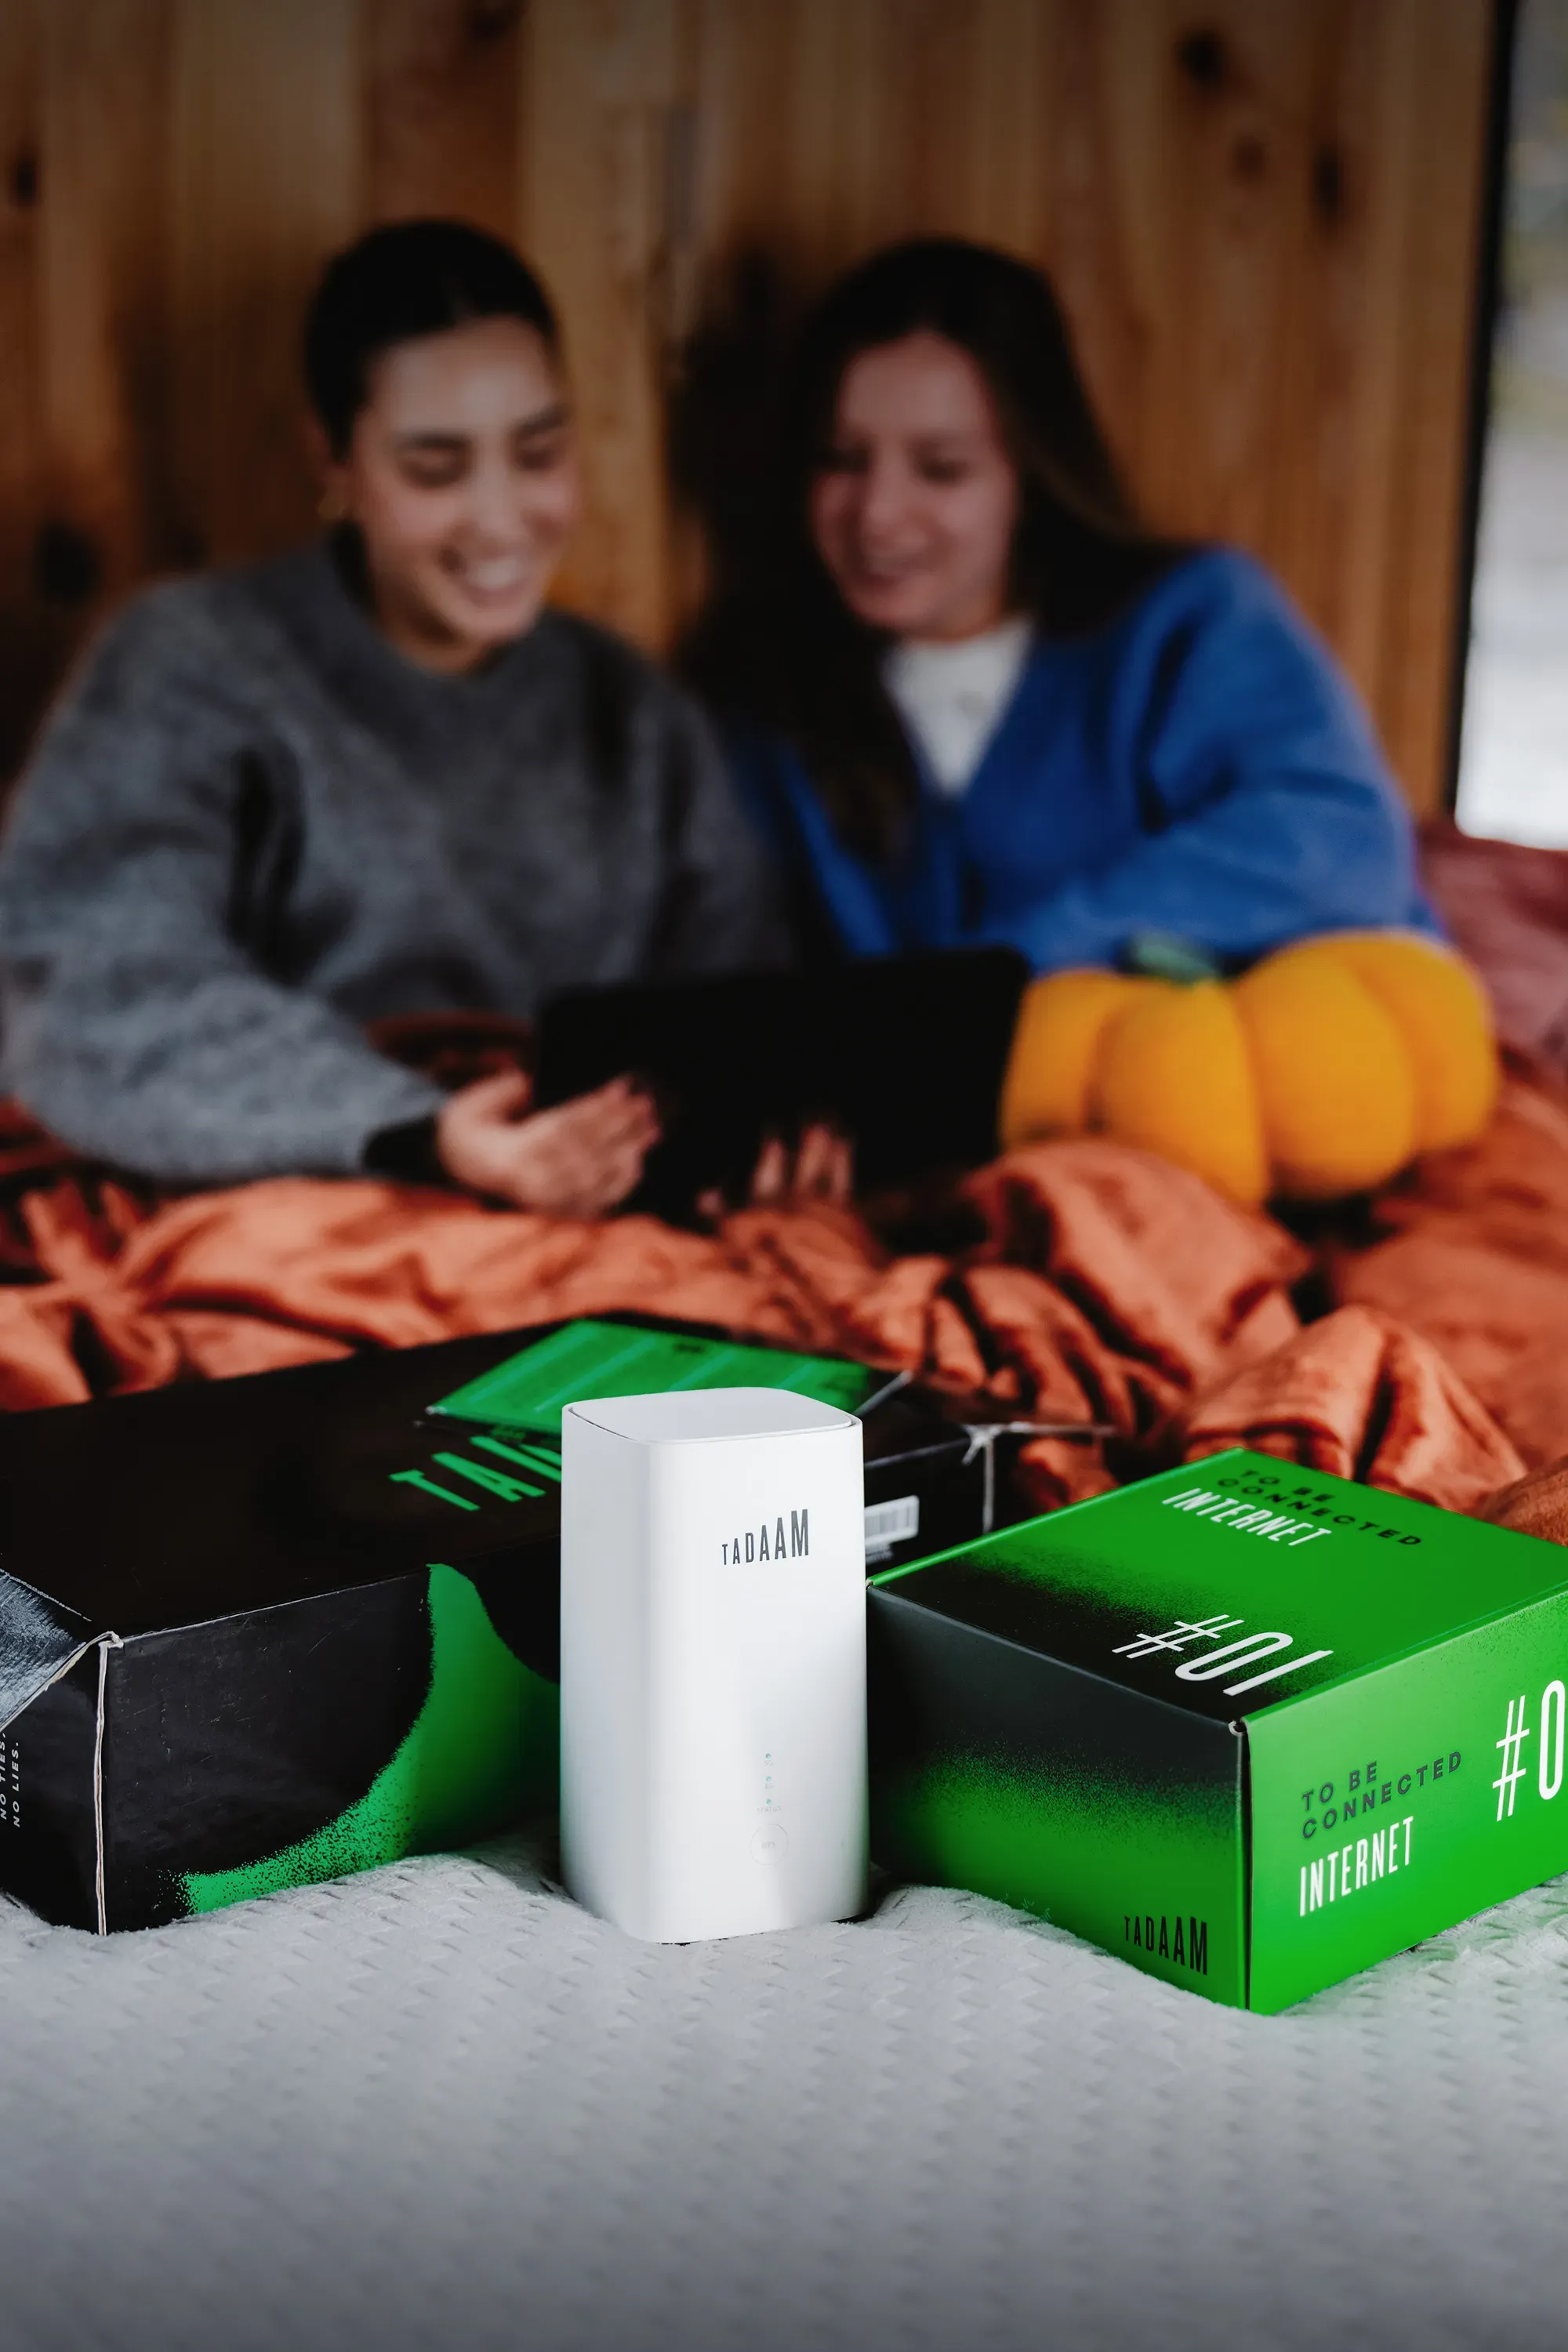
<point x="1108" y="1287"/>
<point x="1471" y="1252"/>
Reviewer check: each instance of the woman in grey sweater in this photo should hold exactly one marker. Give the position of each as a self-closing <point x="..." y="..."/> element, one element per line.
<point x="373" y="776"/>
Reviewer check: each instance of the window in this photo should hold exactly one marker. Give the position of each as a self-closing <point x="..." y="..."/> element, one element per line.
<point x="1513" y="758"/>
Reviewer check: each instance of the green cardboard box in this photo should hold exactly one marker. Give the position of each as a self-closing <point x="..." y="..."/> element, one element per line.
<point x="1249" y="1726"/>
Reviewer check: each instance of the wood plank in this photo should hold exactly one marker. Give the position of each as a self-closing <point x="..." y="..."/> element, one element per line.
<point x="1365" y="247"/>
<point x="83" y="90"/>
<point x="1318" y="325"/>
<point x="21" y="192"/>
<point x="1445" y="51"/>
<point x="1232" y="213"/>
<point x="268" y="181"/>
<point x="31" y="634"/>
<point x="1001" y="182"/>
<point x="102" y="378"/>
<point x="1103" y="240"/>
<point x="442" y="88"/>
<point x="601" y="82"/>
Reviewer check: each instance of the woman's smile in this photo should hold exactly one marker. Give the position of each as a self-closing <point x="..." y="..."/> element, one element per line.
<point x="489" y="575"/>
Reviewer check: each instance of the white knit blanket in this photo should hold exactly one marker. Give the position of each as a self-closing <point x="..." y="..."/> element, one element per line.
<point x="439" y="2107"/>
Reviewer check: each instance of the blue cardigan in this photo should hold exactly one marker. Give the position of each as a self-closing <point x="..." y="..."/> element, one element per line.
<point x="1201" y="769"/>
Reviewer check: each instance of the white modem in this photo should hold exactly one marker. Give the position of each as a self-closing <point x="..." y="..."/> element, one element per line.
<point x="712" y="1662"/>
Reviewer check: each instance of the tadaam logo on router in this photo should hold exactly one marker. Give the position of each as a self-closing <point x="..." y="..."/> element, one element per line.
<point x="1154" y="1718"/>
<point x="768" y="1541"/>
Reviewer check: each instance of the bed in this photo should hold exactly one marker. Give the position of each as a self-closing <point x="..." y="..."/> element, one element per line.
<point x="438" y="2105"/>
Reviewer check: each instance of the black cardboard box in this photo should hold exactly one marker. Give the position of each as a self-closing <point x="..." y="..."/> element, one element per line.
<point x="265" y="1631"/>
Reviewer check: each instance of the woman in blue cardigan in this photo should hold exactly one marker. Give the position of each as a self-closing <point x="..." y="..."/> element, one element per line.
<point x="971" y="699"/>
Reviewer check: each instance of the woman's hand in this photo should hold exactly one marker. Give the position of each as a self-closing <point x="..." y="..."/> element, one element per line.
<point x="820" y="1168"/>
<point x="579" y="1160"/>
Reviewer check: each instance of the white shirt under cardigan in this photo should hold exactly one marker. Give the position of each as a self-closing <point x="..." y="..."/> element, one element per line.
<point x="952" y="697"/>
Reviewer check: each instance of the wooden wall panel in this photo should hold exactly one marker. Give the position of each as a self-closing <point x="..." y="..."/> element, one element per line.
<point x="603" y="81"/>
<point x="99" y="321"/>
<point x="442" y="93"/>
<point x="29" y="628"/>
<point x="1434" y="291"/>
<point x="1262" y="216"/>
<point x="267" y="171"/>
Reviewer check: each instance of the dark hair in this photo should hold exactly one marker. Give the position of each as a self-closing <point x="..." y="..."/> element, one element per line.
<point x="411" y="279"/>
<point x="776" y="644"/>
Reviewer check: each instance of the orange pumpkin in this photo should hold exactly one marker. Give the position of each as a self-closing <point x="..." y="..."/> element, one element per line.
<point x="1320" y="1072"/>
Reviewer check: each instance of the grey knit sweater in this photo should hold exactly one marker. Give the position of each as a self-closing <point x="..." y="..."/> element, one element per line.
<point x="251" y="827"/>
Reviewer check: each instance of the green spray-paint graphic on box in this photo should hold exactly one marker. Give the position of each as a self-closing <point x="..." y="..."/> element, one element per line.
<point x="479" y="1755"/>
<point x="1151" y="1873"/>
<point x="1002" y="1769"/>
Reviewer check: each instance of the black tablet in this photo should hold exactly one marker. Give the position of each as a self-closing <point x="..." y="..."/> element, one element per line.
<point x="906" y="1054"/>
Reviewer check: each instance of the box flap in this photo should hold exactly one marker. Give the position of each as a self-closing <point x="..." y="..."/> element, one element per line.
<point x="595" y="1358"/>
<point x="202" y="1500"/>
<point x="39" y="1642"/>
